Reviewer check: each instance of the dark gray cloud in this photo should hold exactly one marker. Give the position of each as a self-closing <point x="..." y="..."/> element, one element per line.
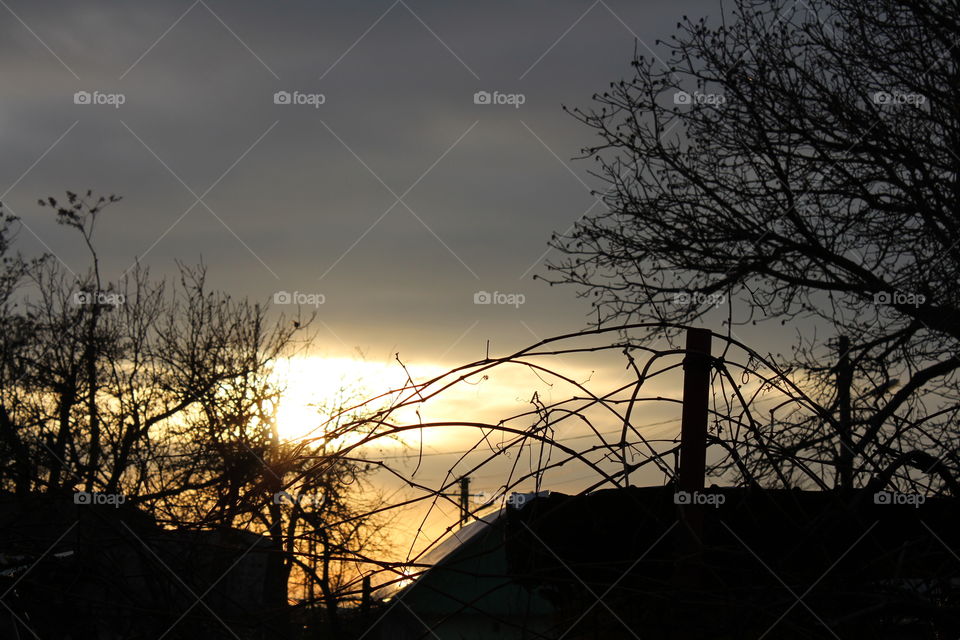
<point x="302" y="192"/>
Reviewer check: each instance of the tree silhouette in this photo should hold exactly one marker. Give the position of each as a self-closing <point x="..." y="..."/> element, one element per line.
<point x="164" y="392"/>
<point x="798" y="161"/>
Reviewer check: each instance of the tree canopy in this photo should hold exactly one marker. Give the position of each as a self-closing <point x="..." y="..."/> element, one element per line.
<point x="800" y="162"/>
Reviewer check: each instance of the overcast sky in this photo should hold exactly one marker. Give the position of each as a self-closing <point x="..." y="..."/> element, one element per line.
<point x="397" y="199"/>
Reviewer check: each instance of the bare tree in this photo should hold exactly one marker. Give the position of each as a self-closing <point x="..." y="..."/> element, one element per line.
<point x="124" y="386"/>
<point x="165" y="392"/>
<point x="800" y="159"/>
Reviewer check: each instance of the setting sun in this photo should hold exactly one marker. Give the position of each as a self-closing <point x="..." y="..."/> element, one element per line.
<point x="316" y="386"/>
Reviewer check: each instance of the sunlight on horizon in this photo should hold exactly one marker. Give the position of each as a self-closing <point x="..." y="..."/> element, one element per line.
<point x="316" y="386"/>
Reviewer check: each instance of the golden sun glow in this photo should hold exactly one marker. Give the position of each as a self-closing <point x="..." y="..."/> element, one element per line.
<point x="315" y="386"/>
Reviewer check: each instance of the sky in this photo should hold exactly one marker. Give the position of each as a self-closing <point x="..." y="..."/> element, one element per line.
<point x="382" y="195"/>
<point x="397" y="167"/>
